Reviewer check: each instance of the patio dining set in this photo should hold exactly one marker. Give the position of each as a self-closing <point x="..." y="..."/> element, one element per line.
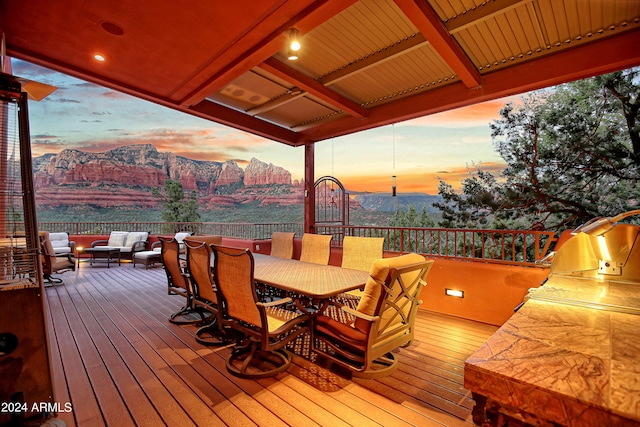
<point x="353" y="316"/>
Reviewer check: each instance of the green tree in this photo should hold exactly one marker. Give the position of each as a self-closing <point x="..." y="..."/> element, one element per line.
<point x="410" y="218"/>
<point x="470" y="207"/>
<point x="176" y="206"/>
<point x="572" y="153"/>
<point x="410" y="240"/>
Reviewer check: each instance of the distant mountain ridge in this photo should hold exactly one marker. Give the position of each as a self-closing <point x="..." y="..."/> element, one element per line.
<point x="384" y="202"/>
<point x="124" y="176"/>
<point x="144" y="165"/>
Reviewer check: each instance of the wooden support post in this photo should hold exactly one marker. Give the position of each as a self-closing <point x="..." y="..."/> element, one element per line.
<point x="309" y="190"/>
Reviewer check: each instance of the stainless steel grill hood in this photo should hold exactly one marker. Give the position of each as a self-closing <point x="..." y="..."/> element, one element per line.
<point x="598" y="267"/>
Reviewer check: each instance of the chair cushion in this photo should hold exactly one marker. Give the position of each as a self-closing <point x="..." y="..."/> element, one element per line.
<point x="372" y="291"/>
<point x="117" y="238"/>
<point x="373" y="288"/>
<point x="59" y="240"/>
<point x="354" y="338"/>
<point x="146" y="254"/>
<point x="181" y="235"/>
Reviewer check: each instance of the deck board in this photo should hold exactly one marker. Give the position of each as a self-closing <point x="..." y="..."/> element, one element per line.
<point x="119" y="362"/>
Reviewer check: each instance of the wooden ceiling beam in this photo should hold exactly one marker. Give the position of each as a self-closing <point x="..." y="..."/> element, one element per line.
<point x="605" y="56"/>
<point x="239" y="120"/>
<point x="290" y="95"/>
<point x="265" y="46"/>
<point x="314" y="88"/>
<point x="429" y="24"/>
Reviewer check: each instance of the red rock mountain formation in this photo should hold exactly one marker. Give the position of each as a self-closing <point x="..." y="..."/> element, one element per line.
<point x="125" y="176"/>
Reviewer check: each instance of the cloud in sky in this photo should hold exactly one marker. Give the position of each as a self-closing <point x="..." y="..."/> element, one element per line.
<point x="88" y="117"/>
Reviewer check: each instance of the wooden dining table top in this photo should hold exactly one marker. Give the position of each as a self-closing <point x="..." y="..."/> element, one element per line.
<point x="304" y="278"/>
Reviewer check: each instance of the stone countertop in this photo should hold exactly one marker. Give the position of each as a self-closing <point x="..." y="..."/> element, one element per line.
<point x="566" y="362"/>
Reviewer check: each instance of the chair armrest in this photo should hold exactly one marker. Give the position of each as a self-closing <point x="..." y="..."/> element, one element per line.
<point x="139" y="246"/>
<point x="99" y="243"/>
<point x="72" y="245"/>
<point x="356" y="313"/>
<point x="275" y="302"/>
<point x="156" y="244"/>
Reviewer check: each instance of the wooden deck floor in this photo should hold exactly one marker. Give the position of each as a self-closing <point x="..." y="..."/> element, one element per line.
<point x="119" y="362"/>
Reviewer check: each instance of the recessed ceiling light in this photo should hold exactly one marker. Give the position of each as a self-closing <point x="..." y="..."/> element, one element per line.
<point x="99" y="57"/>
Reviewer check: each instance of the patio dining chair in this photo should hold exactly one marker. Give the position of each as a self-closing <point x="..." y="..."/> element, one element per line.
<point x="282" y="244"/>
<point x="177" y="284"/>
<point x="209" y="239"/>
<point x="382" y="322"/>
<point x="316" y="248"/>
<point x="199" y="274"/>
<point x="266" y="327"/>
<point x="358" y="253"/>
<point x="53" y="263"/>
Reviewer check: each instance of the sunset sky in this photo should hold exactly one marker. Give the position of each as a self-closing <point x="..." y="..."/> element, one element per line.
<point x="88" y="117"/>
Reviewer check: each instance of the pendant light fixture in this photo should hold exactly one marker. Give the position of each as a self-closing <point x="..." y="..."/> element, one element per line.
<point x="393" y="177"/>
<point x="294" y="44"/>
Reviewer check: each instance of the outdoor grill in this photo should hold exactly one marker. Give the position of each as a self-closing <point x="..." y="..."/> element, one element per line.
<point x="598" y="267"/>
<point x="569" y="354"/>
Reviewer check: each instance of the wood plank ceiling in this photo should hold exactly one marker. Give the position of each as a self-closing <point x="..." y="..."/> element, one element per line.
<point x="363" y="63"/>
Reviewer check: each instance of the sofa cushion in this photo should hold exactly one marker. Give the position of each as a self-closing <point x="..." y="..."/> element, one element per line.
<point x="135" y="236"/>
<point x="117" y="238"/>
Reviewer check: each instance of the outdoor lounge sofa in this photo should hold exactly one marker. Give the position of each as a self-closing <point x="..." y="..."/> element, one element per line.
<point x="129" y="242"/>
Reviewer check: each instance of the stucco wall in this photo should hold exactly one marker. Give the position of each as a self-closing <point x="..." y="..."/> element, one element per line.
<point x="491" y="291"/>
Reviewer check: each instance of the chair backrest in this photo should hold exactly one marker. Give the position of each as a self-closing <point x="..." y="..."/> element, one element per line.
<point x="199" y="256"/>
<point x="60" y="242"/>
<point x="316" y="248"/>
<point x="48" y="253"/>
<point x="282" y="244"/>
<point x="206" y="239"/>
<point x="171" y="262"/>
<point x="396" y="299"/>
<point x="358" y="253"/>
<point x="233" y="275"/>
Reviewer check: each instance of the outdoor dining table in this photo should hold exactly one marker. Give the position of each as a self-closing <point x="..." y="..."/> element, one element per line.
<point x="316" y="282"/>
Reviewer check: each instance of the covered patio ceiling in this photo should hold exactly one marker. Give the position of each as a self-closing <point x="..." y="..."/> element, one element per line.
<point x="363" y="63"/>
